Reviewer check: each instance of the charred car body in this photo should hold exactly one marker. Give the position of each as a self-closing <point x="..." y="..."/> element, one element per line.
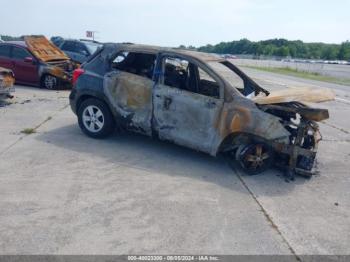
<point x="7" y="80"/>
<point x="36" y="61"/>
<point x="196" y="100"/>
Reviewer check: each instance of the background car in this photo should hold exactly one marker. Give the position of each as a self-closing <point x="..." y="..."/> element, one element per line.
<point x="36" y="61"/>
<point x="7" y="80"/>
<point x="78" y="50"/>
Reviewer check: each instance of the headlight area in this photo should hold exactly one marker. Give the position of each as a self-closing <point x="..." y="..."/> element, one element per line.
<point x="299" y="155"/>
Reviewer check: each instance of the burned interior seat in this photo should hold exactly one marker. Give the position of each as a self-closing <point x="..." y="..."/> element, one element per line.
<point x="137" y="63"/>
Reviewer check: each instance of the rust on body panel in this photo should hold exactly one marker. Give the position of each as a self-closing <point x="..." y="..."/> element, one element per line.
<point x="190" y="120"/>
<point x="225" y="122"/>
<point x="131" y="96"/>
<point x="44" y="49"/>
<point x="7" y="81"/>
<point x="54" y="61"/>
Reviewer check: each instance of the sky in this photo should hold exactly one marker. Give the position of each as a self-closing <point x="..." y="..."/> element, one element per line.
<point x="176" y="22"/>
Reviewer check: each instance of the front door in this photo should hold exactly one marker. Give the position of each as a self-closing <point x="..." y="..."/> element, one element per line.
<point x="25" y="71"/>
<point x="183" y="113"/>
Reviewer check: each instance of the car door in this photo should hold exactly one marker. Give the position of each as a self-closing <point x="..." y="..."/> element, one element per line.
<point x="25" y="66"/>
<point x="130" y="92"/>
<point x="181" y="115"/>
<point x="5" y="56"/>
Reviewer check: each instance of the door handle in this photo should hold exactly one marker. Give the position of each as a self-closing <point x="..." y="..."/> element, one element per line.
<point x="211" y="104"/>
<point x="167" y="102"/>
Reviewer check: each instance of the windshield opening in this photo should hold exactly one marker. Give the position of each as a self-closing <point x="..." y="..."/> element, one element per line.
<point x="237" y="79"/>
<point x="230" y="76"/>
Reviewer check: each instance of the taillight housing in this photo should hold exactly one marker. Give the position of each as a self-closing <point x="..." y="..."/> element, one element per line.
<point x="76" y="73"/>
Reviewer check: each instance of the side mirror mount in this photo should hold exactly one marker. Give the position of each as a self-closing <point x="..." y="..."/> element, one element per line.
<point x="29" y="59"/>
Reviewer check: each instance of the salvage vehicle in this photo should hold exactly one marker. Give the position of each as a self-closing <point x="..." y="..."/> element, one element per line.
<point x="78" y="50"/>
<point x="36" y="61"/>
<point x="7" y="79"/>
<point x="200" y="101"/>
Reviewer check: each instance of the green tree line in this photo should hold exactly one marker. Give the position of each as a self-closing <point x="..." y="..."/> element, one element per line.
<point x="282" y="48"/>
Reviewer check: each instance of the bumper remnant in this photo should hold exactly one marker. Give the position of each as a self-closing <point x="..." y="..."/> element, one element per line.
<point x="6" y="82"/>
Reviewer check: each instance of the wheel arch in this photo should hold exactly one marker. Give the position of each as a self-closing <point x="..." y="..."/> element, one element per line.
<point x="43" y="75"/>
<point x="87" y="95"/>
<point x="107" y="126"/>
<point x="233" y="140"/>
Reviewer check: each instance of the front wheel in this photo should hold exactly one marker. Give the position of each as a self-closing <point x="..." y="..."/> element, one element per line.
<point x="49" y="82"/>
<point x="95" y="118"/>
<point x="255" y="158"/>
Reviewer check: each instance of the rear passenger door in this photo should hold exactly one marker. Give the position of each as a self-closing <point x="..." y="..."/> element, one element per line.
<point x="129" y="90"/>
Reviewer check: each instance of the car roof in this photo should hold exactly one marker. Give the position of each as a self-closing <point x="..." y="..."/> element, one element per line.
<point x="156" y="49"/>
<point x="18" y="43"/>
<point x="80" y="40"/>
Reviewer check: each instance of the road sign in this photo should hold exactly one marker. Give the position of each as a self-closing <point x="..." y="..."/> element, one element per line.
<point x="90" y="34"/>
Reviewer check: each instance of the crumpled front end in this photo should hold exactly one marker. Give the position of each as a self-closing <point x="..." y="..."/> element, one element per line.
<point x="55" y="62"/>
<point x="63" y="70"/>
<point x="7" y="81"/>
<point x="299" y="155"/>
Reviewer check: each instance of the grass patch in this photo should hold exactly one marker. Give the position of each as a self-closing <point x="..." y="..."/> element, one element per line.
<point x="28" y="131"/>
<point x="303" y="74"/>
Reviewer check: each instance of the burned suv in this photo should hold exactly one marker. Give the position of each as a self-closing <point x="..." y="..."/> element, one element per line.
<point x="196" y="100"/>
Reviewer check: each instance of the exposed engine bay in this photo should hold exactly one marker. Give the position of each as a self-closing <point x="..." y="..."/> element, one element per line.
<point x="300" y="121"/>
<point x="55" y="62"/>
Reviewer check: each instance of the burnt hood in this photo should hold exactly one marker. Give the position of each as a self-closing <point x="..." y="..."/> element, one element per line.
<point x="43" y="49"/>
<point x="312" y="95"/>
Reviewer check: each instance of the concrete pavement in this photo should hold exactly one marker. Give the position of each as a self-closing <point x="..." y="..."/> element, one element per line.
<point x="64" y="193"/>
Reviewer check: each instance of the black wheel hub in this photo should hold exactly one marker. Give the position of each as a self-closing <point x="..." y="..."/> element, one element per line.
<point x="255" y="158"/>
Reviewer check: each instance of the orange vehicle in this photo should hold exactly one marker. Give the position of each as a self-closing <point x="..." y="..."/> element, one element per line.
<point x="7" y="80"/>
<point x="36" y="61"/>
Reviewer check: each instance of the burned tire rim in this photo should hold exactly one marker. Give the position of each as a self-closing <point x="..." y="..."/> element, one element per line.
<point x="50" y="82"/>
<point x="93" y="119"/>
<point x="255" y="158"/>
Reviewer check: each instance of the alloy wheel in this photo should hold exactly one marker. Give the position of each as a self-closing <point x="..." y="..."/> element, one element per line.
<point x="93" y="119"/>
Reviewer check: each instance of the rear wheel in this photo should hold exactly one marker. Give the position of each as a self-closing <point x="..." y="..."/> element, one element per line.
<point x="95" y="118"/>
<point x="255" y="158"/>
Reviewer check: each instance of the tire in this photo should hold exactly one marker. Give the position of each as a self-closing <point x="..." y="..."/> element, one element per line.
<point x="95" y="119"/>
<point x="49" y="82"/>
<point x="255" y="158"/>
